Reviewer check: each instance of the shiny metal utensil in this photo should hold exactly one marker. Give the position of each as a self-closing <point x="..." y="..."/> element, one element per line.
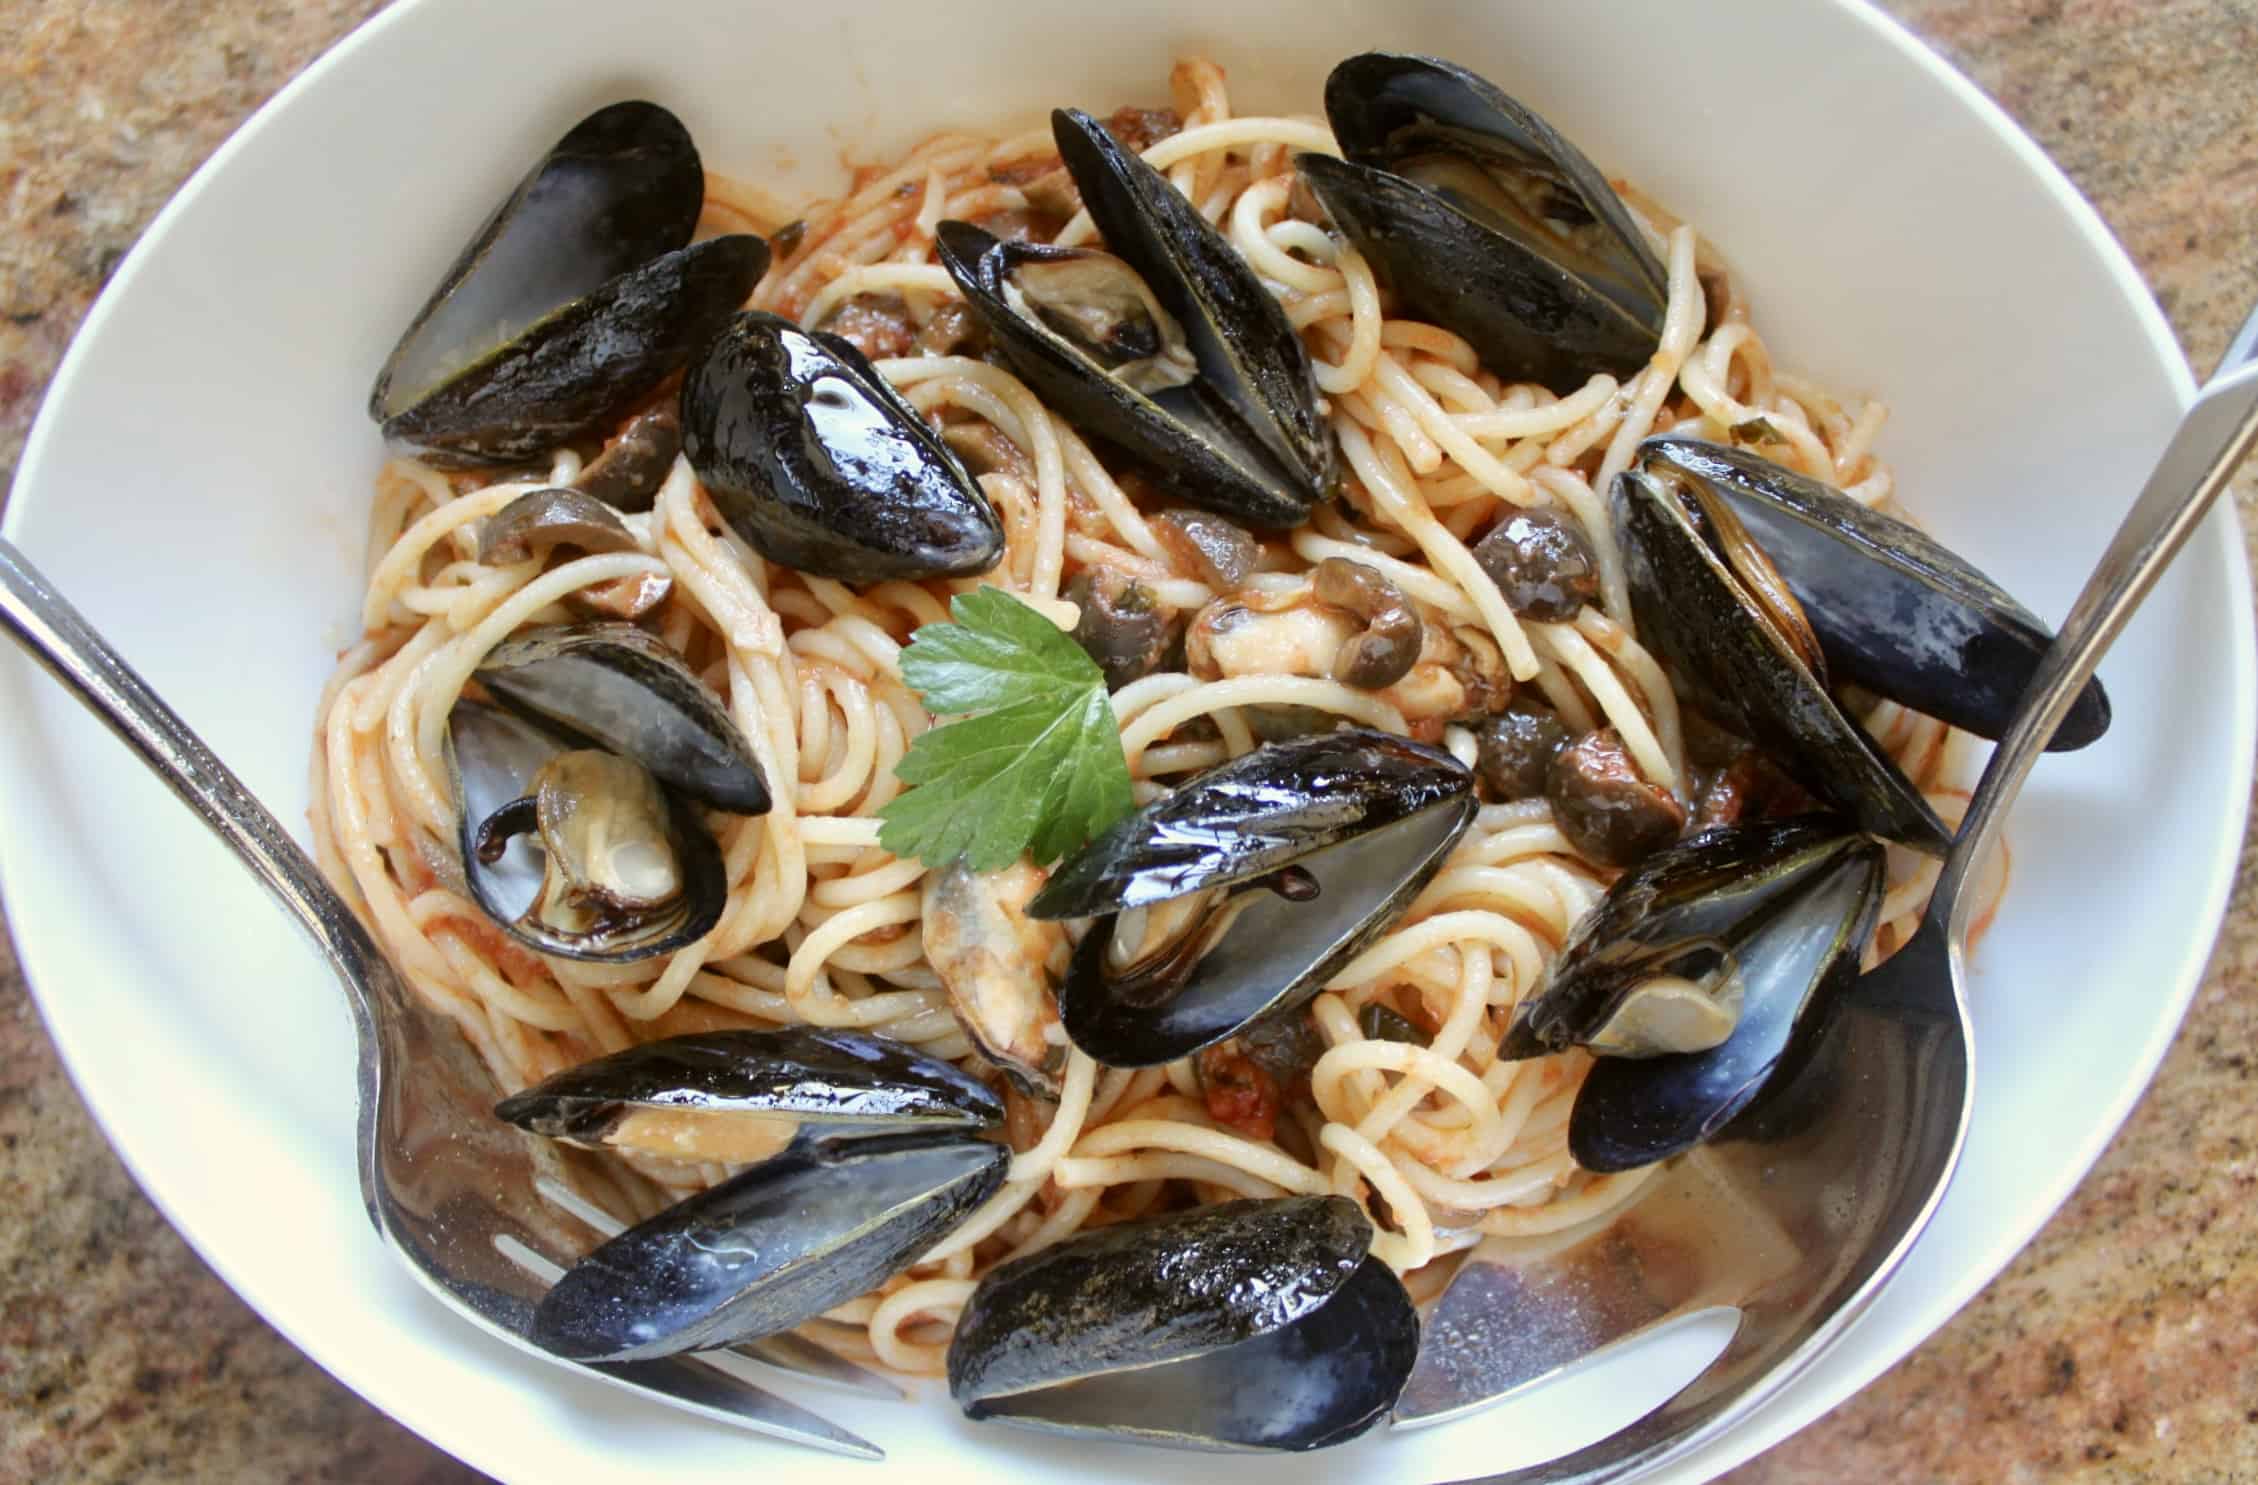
<point x="451" y="1188"/>
<point x="1816" y="1193"/>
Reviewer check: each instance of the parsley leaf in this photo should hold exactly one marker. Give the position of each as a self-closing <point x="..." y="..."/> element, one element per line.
<point x="1036" y="766"/>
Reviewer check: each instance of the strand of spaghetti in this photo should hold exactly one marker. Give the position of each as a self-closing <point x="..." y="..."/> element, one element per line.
<point x="1272" y="1165"/>
<point x="1206" y="697"/>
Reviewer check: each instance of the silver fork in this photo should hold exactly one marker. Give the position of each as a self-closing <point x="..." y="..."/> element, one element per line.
<point x="452" y="1190"/>
<point x="1801" y="1216"/>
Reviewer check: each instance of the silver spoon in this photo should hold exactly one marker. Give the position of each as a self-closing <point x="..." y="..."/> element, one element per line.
<point x="455" y="1192"/>
<point x="1799" y="1221"/>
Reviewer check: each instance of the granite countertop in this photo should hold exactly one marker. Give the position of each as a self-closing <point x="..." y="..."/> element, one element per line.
<point x="2122" y="1345"/>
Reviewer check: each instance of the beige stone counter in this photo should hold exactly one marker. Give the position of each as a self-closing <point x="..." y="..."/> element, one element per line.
<point x="2121" y="1346"/>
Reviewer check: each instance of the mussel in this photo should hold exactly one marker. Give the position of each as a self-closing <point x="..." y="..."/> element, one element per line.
<point x="813" y="457"/>
<point x="1693" y="974"/>
<point x="1250" y="1325"/>
<point x="1238" y="894"/>
<point x="1483" y="219"/>
<point x="1164" y="345"/>
<point x="578" y="295"/>
<point x="1711" y="605"/>
<point x="881" y="1155"/>
<point x="1893" y="611"/>
<point x="991" y="959"/>
<point x="577" y="796"/>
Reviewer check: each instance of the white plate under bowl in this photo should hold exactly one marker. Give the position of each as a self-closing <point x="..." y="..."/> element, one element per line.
<point x="198" y="477"/>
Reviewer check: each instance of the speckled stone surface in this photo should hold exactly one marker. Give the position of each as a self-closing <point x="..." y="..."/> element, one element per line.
<point x="2121" y="1346"/>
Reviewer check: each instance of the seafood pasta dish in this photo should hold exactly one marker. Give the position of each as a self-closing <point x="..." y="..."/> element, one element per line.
<point x="1075" y="769"/>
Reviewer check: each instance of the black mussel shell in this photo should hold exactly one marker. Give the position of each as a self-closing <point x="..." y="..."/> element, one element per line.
<point x="1802" y="948"/>
<point x="1693" y="612"/>
<point x="492" y="759"/>
<point x="1363" y="818"/>
<point x="770" y="1248"/>
<point x="575" y="297"/>
<point x="1252" y="1325"/>
<point x="1894" y="611"/>
<point x="1560" y="289"/>
<point x="811" y="1075"/>
<point x="619" y="688"/>
<point x="813" y="457"/>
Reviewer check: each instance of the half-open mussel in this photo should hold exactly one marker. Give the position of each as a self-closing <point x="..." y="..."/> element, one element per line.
<point x="1712" y="606"/>
<point x="813" y="457"/>
<point x="1692" y="975"/>
<point x="1894" y="611"/>
<point x="1482" y="218"/>
<point x="881" y="1155"/>
<point x="1241" y="891"/>
<point x="1251" y="1325"/>
<point x="1165" y="345"/>
<point x="578" y="295"/>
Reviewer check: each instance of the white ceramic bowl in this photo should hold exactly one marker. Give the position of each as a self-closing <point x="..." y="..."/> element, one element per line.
<point x="198" y="477"/>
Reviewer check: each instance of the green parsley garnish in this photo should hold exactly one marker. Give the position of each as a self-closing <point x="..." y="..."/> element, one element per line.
<point x="1034" y="763"/>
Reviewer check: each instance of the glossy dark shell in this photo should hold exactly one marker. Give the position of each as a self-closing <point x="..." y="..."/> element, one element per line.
<point x="1895" y="612"/>
<point x="1799" y="945"/>
<point x="813" y="458"/>
<point x="1528" y="316"/>
<point x="770" y="1248"/>
<point x="1693" y="614"/>
<point x="1252" y="1325"/>
<point x="1368" y="815"/>
<point x="620" y="689"/>
<point x="812" y="1075"/>
<point x="492" y="757"/>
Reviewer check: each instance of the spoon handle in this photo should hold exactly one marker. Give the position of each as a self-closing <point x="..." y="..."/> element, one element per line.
<point x="2213" y="438"/>
<point x="60" y="639"/>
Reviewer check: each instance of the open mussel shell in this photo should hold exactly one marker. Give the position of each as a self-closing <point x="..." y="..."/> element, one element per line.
<point x="813" y="457"/>
<point x="1166" y="345"/>
<point x="772" y="1247"/>
<point x="1805" y="948"/>
<point x="1895" y="612"/>
<point x="1695" y="614"/>
<point x="1315" y="845"/>
<point x="617" y="687"/>
<point x="1484" y="220"/>
<point x="802" y="1076"/>
<point x="495" y="759"/>
<point x="574" y="298"/>
<point x="1251" y="1325"/>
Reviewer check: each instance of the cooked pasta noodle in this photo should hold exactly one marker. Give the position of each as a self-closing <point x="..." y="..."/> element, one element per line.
<point x="1442" y="1142"/>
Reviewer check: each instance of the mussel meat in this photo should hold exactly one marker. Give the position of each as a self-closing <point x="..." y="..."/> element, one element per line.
<point x="1711" y="605"/>
<point x="813" y="458"/>
<point x="884" y="1156"/>
<point x="1165" y="345"/>
<point x="1893" y="611"/>
<point x="992" y="960"/>
<point x="1692" y="975"/>
<point x="1250" y="1325"/>
<point x="1483" y="219"/>
<point x="1239" y="893"/>
<point x="578" y="295"/>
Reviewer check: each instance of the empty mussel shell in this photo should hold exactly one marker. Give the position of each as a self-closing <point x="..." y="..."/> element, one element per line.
<point x="616" y="686"/>
<point x="1484" y="220"/>
<point x="813" y="458"/>
<point x="576" y="853"/>
<point x="1251" y="1325"/>
<point x="771" y="1247"/>
<point x="1166" y="345"/>
<point x="1768" y="917"/>
<point x="714" y="1095"/>
<point x="1738" y="642"/>
<point x="1254" y="881"/>
<point x="576" y="297"/>
<point x="1895" y="612"/>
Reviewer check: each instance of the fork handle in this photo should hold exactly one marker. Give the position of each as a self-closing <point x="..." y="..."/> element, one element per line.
<point x="2218" y="431"/>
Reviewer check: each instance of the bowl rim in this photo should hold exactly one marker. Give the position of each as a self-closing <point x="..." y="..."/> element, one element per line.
<point x="1792" y="1409"/>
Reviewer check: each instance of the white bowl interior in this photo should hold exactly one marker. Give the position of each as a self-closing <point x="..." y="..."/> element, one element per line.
<point x="198" y="482"/>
